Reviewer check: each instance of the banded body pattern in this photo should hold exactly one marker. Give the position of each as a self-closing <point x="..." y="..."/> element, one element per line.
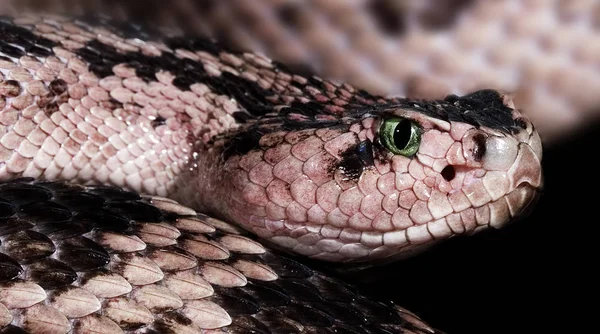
<point x="77" y="259"/>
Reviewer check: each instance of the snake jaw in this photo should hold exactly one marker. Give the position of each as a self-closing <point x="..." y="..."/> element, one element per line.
<point x="336" y="194"/>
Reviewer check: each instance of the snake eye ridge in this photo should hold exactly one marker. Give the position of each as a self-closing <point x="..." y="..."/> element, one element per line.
<point x="400" y="136"/>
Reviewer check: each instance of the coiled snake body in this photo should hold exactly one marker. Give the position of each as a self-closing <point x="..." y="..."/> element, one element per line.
<point x="311" y="166"/>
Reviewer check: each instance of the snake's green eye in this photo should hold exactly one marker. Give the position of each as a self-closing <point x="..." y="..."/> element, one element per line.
<point x="400" y="136"/>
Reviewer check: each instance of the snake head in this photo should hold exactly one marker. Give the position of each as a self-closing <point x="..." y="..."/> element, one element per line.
<point x="388" y="179"/>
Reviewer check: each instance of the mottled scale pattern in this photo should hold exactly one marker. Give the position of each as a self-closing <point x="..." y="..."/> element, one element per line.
<point x="96" y="259"/>
<point x="287" y="155"/>
<point x="83" y="100"/>
<point x="540" y="51"/>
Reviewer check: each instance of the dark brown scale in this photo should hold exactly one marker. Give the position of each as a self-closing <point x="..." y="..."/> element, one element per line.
<point x="46" y="211"/>
<point x="10" y="88"/>
<point x="49" y="108"/>
<point x="57" y="86"/>
<point x="236" y="301"/>
<point x="77" y="200"/>
<point x="10" y="50"/>
<point x="136" y="211"/>
<point x="82" y="254"/>
<point x="168" y="319"/>
<point x="306" y="314"/>
<point x="377" y="312"/>
<point x="103" y="220"/>
<point x="342" y="312"/>
<point x="268" y="293"/>
<point x="9" y="268"/>
<point x="19" y="193"/>
<point x="36" y="50"/>
<point x="332" y="289"/>
<point x="60" y="230"/>
<point x="26" y="246"/>
<point x="248" y="324"/>
<point x="286" y="267"/>
<point x="6" y="210"/>
<point x="302" y="288"/>
<point x="50" y="273"/>
<point x="13" y="225"/>
<point x="112" y="194"/>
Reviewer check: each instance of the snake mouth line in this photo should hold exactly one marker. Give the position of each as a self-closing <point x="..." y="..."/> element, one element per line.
<point x="495" y="214"/>
<point x="368" y="245"/>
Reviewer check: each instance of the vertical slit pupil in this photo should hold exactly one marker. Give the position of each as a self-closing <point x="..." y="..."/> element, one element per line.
<point x="402" y="134"/>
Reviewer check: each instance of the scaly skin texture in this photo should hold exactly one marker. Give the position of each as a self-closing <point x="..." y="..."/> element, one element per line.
<point x="78" y="260"/>
<point x="293" y="158"/>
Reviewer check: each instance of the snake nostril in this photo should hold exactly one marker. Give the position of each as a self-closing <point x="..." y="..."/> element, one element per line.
<point x="448" y="173"/>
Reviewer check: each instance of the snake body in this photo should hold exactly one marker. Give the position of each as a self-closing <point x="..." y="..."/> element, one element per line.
<point x="312" y="166"/>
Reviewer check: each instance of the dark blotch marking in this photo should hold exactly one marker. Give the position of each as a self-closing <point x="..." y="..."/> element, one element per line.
<point x="9" y="268"/>
<point x="308" y="315"/>
<point x="351" y="166"/>
<point x="14" y="225"/>
<point x="82" y="254"/>
<point x="166" y="322"/>
<point x="45" y="211"/>
<point x="356" y="159"/>
<point x="520" y="122"/>
<point x="10" y="88"/>
<point x="268" y="293"/>
<point x="158" y="121"/>
<point x="300" y="69"/>
<point x="243" y="142"/>
<point x="26" y="246"/>
<point x="6" y="210"/>
<point x="104" y="220"/>
<point x="51" y="274"/>
<point x="31" y="44"/>
<point x="63" y="230"/>
<point x="50" y="108"/>
<point x="286" y="267"/>
<point x="249" y="324"/>
<point x="57" y="86"/>
<point x="236" y="301"/>
<point x="102" y="58"/>
<point x="290" y="14"/>
<point x="388" y="16"/>
<point x="343" y="312"/>
<point x="481" y="108"/>
<point x="242" y="117"/>
<point x="136" y="210"/>
<point x="110" y="104"/>
<point x="378" y="312"/>
<point x="365" y="153"/>
<point x="113" y="194"/>
<point x="479" y="147"/>
<point x="443" y="14"/>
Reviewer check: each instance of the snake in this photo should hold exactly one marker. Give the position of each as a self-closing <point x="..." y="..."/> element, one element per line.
<point x="158" y="182"/>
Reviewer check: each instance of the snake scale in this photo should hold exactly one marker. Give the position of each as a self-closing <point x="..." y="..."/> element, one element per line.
<point x="310" y="166"/>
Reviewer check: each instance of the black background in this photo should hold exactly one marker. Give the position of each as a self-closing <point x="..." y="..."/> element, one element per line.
<point x="537" y="275"/>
